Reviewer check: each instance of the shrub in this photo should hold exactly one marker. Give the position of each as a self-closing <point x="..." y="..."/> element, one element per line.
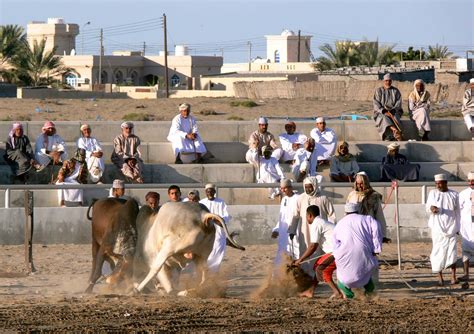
<point x="246" y="104"/>
<point x="235" y="118"/>
<point x="207" y="112"/>
<point x="137" y="117"/>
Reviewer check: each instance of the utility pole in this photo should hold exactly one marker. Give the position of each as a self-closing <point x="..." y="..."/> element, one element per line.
<point x="299" y="43"/>
<point x="166" y="57"/>
<point x="250" y="55"/>
<point x="144" y="48"/>
<point x="82" y="38"/>
<point x="421" y="53"/>
<point x="100" y="55"/>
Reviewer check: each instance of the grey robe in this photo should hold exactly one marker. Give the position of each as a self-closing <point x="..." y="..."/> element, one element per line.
<point x="19" y="154"/>
<point x="386" y="99"/>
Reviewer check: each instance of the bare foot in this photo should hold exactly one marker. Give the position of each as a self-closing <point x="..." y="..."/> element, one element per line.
<point x="441" y="283"/>
<point x="306" y="294"/>
<point x="337" y="296"/>
<point x="464" y="278"/>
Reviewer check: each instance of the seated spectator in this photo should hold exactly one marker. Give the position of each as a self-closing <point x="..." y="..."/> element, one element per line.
<point x="290" y="142"/>
<point x="258" y="139"/>
<point x="126" y="155"/>
<point x="174" y="193"/>
<point x="152" y="199"/>
<point x="19" y="154"/>
<point x="270" y="171"/>
<point x="343" y="165"/>
<point x="193" y="196"/>
<point x="305" y="162"/>
<point x="395" y="166"/>
<point x="118" y="189"/>
<point x="73" y="171"/>
<point x="326" y="141"/>
<point x="419" y="109"/>
<point x="388" y="110"/>
<point x="94" y="153"/>
<point x="50" y="148"/>
<point x="184" y="136"/>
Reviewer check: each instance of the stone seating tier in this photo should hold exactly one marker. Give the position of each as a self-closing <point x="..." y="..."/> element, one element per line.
<point x="239" y="131"/>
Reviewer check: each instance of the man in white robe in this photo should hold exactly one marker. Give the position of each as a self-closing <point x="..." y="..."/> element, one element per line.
<point x="290" y="142"/>
<point x="468" y="107"/>
<point x="184" y="136"/>
<point x="49" y="146"/>
<point x="326" y="142"/>
<point x="444" y="221"/>
<point x="285" y="217"/>
<point x="466" y="205"/>
<point x="94" y="153"/>
<point x="306" y="162"/>
<point x="419" y="109"/>
<point x="216" y="206"/>
<point x="74" y="171"/>
<point x="269" y="171"/>
<point x="311" y="196"/>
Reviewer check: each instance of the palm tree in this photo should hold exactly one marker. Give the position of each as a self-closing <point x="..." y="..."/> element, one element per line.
<point x="11" y="39"/>
<point x="344" y="54"/>
<point x="371" y="54"/>
<point x="439" y="52"/>
<point x="35" y="66"/>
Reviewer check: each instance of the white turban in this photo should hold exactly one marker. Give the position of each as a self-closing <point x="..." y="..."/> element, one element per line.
<point x="314" y="182"/>
<point x="441" y="177"/>
<point x="262" y="120"/>
<point x="471" y="80"/>
<point x="320" y="120"/>
<point x="351" y="207"/>
<point x="470" y="176"/>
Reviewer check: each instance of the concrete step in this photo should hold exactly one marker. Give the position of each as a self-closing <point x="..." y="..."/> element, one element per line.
<point x="254" y="222"/>
<point x="232" y="195"/>
<point x="239" y="131"/>
<point x="365" y="151"/>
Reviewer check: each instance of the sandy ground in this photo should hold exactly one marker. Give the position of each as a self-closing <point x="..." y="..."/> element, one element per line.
<point x="165" y="109"/>
<point x="52" y="299"/>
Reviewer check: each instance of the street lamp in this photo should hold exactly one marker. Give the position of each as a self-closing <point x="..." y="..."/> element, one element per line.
<point x="82" y="37"/>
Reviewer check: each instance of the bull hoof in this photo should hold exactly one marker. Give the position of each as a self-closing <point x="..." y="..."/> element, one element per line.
<point x="135" y="292"/>
<point x="89" y="289"/>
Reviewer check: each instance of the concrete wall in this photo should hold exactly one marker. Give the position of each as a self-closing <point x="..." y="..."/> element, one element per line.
<point x="341" y="90"/>
<point x="51" y="93"/>
<point x="254" y="222"/>
<point x="7" y="90"/>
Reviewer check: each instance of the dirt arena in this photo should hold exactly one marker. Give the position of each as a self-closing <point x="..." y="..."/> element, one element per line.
<point x="53" y="299"/>
<point x="202" y="108"/>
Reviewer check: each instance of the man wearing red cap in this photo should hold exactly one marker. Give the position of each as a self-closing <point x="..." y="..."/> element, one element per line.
<point x="50" y="147"/>
<point x="291" y="141"/>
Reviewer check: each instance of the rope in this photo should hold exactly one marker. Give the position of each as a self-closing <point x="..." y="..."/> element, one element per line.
<point x="400" y="276"/>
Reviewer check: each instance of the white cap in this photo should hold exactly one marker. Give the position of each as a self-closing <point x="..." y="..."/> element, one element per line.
<point x="387" y="76"/>
<point x="471" y="80"/>
<point x="184" y="106"/>
<point x="470" y="176"/>
<point x="320" y="120"/>
<point x="441" y="177"/>
<point x="210" y="186"/>
<point x="118" y="184"/>
<point x="262" y="120"/>
<point x="351" y="207"/>
<point x="393" y="146"/>
<point x="362" y="173"/>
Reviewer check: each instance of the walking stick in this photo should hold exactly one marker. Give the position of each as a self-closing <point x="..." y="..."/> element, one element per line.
<point x="292" y="250"/>
<point x="194" y="140"/>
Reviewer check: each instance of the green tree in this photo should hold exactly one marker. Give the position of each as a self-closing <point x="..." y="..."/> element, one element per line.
<point x="36" y="66"/>
<point x="439" y="52"/>
<point x="344" y="53"/>
<point x="412" y="54"/>
<point x="11" y="39"/>
<point x="371" y="54"/>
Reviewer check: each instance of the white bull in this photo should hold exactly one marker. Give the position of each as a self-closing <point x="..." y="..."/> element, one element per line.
<point x="177" y="231"/>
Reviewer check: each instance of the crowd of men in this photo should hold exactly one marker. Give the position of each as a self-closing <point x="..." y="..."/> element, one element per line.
<point x="307" y="222"/>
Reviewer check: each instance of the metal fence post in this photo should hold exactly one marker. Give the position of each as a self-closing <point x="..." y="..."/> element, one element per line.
<point x="29" y="224"/>
<point x="7" y="198"/>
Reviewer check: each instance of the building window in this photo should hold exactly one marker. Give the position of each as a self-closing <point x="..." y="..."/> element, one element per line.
<point x="118" y="77"/>
<point x="104" y="77"/>
<point x="134" y="78"/>
<point x="277" y="56"/>
<point x="175" y="80"/>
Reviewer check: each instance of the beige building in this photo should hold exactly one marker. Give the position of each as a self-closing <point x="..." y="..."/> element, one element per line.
<point x="283" y="48"/>
<point x="56" y="32"/>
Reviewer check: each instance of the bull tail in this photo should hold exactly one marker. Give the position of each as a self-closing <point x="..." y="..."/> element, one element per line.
<point x="219" y="221"/>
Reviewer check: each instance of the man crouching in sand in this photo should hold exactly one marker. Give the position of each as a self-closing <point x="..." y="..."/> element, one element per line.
<point x="320" y="232"/>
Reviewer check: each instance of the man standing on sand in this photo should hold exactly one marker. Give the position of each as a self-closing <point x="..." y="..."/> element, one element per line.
<point x="388" y="110"/>
<point x="466" y="205"/>
<point x="280" y="231"/>
<point x="468" y="107"/>
<point x="444" y="221"/>
<point x="311" y="196"/>
<point x="321" y="235"/>
<point x="184" y="135"/>
<point x="216" y="206"/>
<point x="357" y="240"/>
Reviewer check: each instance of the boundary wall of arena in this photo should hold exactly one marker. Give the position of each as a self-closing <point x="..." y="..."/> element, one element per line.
<point x="340" y="90"/>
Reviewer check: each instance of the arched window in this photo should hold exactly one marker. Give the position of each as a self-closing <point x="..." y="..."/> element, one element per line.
<point x="134" y="78"/>
<point x="175" y="80"/>
<point x="277" y="56"/>
<point x="104" y="77"/>
<point x="118" y="77"/>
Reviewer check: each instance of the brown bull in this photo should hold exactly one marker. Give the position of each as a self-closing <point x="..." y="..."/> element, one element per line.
<point x="113" y="238"/>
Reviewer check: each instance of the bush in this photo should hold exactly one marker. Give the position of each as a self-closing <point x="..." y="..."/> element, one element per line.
<point x="207" y="112"/>
<point x="235" y="118"/>
<point x="246" y="104"/>
<point x="137" y="117"/>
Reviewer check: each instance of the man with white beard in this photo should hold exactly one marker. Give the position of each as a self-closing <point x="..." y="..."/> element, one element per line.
<point x="444" y="221"/>
<point x="218" y="207"/>
<point x="280" y="231"/>
<point x="311" y="196"/>
<point x="466" y="205"/>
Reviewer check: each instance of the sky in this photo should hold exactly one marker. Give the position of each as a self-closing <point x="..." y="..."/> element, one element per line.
<point x="226" y="27"/>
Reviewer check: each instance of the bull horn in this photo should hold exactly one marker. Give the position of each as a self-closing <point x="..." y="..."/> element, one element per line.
<point x="219" y="221"/>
